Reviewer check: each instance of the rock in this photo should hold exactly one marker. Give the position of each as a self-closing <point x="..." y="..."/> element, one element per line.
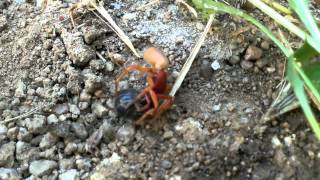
<point x="234" y="59"/>
<point x="215" y="65"/>
<point x="61" y="108"/>
<point x="247" y="65"/>
<point x="50" y="153"/>
<point x="92" y="34"/>
<point x="78" y="51"/>
<point x="3" y="105"/>
<point x="84" y="164"/>
<point x="191" y="130"/>
<point x="24" y="151"/>
<point x="52" y="119"/>
<point x="265" y="45"/>
<point x="99" y="110"/>
<point x="216" y="108"/>
<point x="3" y="132"/>
<point x="48" y="44"/>
<point x="85" y="96"/>
<point x="253" y="53"/>
<point x="7" y="154"/>
<point x="24" y="135"/>
<point x="21" y="88"/>
<point x="97" y="64"/>
<point x="70" y="148"/>
<point x="105" y="132"/>
<point x="109" y="66"/>
<point x="79" y="130"/>
<point x="92" y="82"/>
<point x="83" y="105"/>
<point x="48" y="141"/>
<point x="276" y="142"/>
<point x="126" y="133"/>
<point x="262" y="62"/>
<point x="108" y="132"/>
<point x="4" y="4"/>
<point x="288" y="141"/>
<point x="74" y="109"/>
<point x="36" y="124"/>
<point x="167" y="134"/>
<point x="71" y="174"/>
<point x="13" y="133"/>
<point x="42" y="167"/>
<point x="65" y="164"/>
<point x="166" y="164"/>
<point x="7" y="173"/>
<point x="73" y="86"/>
<point x="108" y="167"/>
<point x="62" y="129"/>
<point x="3" y="21"/>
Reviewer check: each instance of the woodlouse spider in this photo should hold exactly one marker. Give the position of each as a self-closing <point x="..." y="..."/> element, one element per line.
<point x="152" y="101"/>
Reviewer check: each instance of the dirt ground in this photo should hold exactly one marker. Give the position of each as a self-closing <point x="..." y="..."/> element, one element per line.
<point x="59" y="80"/>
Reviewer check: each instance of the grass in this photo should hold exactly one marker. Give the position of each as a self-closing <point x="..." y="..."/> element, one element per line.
<point x="302" y="72"/>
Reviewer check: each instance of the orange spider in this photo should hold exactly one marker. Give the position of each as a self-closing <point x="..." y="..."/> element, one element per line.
<point x="156" y="88"/>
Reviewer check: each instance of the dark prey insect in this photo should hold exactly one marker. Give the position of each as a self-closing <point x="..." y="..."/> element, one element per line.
<point x="124" y="98"/>
<point x="155" y="94"/>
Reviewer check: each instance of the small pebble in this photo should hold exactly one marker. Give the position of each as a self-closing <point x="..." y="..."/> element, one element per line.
<point x="216" y="108"/>
<point x="262" y="62"/>
<point x="215" y="65"/>
<point x="247" y="65"/>
<point x="99" y="110"/>
<point x="52" y="119"/>
<point x="3" y="132"/>
<point x="109" y="66"/>
<point x="253" y="53"/>
<point x="42" y="167"/>
<point x="74" y="109"/>
<point x="265" y="45"/>
<point x="234" y="59"/>
<point x="61" y="108"/>
<point x="8" y="173"/>
<point x="168" y="135"/>
<point x="166" y="164"/>
<point x="126" y="133"/>
<point x="71" y="174"/>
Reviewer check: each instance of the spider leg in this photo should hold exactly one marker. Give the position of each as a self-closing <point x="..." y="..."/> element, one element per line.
<point x="129" y="69"/>
<point x="166" y="104"/>
<point x="145" y="91"/>
<point x="140" y="121"/>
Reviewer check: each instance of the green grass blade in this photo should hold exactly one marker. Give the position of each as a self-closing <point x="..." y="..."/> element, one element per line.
<point x="285" y="23"/>
<point x="305" y="53"/>
<point x="309" y="71"/>
<point x="299" y="91"/>
<point x="301" y="8"/>
<point x="209" y="6"/>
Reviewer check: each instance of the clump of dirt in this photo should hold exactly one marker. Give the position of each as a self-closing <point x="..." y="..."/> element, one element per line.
<point x="59" y="81"/>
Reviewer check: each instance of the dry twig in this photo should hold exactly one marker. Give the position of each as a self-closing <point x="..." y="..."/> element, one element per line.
<point x="186" y="67"/>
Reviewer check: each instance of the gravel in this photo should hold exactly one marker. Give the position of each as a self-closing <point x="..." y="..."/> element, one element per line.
<point x="36" y="124"/>
<point x="42" y="167"/>
<point x="7" y="173"/>
<point x="7" y="154"/>
<point x="126" y="133"/>
<point x="71" y="174"/>
<point x="51" y="75"/>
